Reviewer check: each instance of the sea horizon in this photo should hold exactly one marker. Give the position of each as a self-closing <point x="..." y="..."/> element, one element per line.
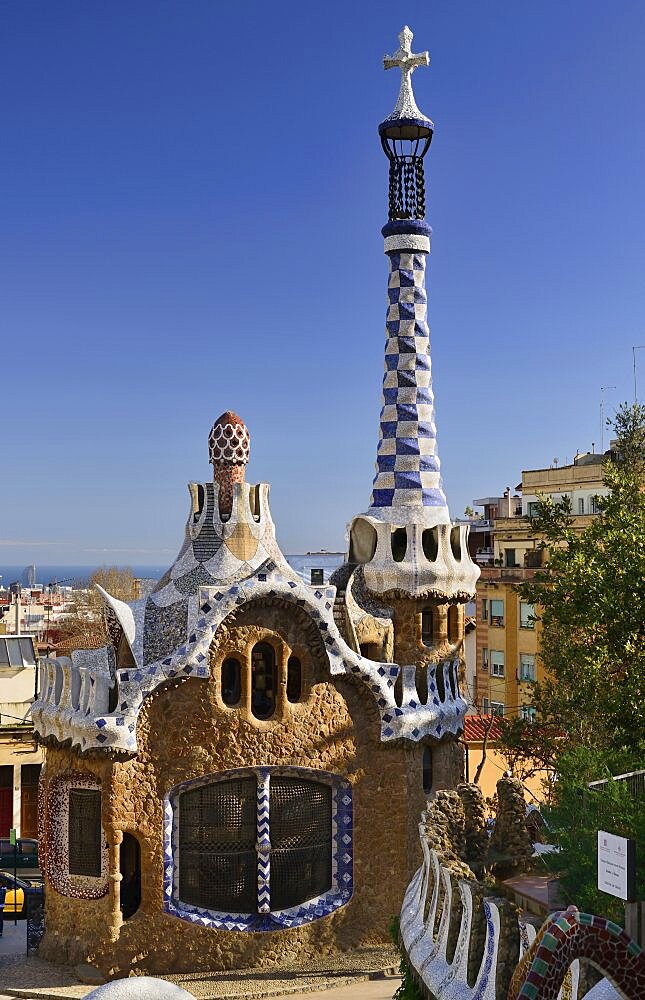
<point x="74" y="574"/>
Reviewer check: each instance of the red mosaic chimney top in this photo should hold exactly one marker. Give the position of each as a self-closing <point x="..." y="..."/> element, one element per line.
<point x="229" y="444"/>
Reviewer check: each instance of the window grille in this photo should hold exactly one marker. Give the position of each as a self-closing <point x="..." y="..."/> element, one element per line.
<point x="217" y="840"/>
<point x="300" y="821"/>
<point x="85" y="831"/>
<point x="217" y="834"/>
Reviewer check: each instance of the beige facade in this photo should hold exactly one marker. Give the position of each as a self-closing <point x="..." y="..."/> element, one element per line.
<point x="186" y="731"/>
<point x="508" y="629"/>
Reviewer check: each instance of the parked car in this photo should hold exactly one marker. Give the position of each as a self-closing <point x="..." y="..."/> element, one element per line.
<point x="14" y="900"/>
<point x="26" y="854"/>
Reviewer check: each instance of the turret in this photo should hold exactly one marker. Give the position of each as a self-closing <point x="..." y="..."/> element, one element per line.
<point x="405" y="540"/>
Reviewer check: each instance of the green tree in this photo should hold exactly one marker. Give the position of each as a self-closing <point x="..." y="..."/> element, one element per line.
<point x="590" y="599"/>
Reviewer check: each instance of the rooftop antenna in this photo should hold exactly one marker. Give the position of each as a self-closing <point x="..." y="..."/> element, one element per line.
<point x="603" y="389"/>
<point x="638" y="347"/>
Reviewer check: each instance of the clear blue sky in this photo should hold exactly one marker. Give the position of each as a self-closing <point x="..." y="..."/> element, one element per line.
<point x="191" y="200"/>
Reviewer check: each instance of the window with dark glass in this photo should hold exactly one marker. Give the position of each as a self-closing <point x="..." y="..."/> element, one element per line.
<point x="263" y="678"/>
<point x="231" y="681"/>
<point x="453" y="623"/>
<point x="300" y="841"/>
<point x="218" y="861"/>
<point x="217" y="835"/>
<point x="85" y="831"/>
<point x="426" y="765"/>
<point x="427" y="627"/>
<point x="294" y="679"/>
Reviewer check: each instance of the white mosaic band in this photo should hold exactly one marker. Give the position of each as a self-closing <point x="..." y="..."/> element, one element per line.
<point x="407" y="241"/>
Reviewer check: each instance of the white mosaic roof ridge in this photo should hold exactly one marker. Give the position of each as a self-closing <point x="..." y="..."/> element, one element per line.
<point x="411" y="720"/>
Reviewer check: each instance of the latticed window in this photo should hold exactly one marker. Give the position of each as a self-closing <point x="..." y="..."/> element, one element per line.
<point x="258" y="843"/>
<point x="85" y="831"/>
<point x="217" y="833"/>
<point x="300" y="820"/>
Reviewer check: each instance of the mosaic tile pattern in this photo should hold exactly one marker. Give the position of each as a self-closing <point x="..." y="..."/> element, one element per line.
<point x="92" y="727"/>
<point x="54" y="859"/>
<point x="548" y="964"/>
<point x="407" y="463"/>
<point x="321" y="906"/>
<point x="572" y="935"/>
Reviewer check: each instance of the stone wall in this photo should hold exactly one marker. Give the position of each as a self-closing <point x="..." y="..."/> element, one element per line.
<point x="510" y="848"/>
<point x="185" y="731"/>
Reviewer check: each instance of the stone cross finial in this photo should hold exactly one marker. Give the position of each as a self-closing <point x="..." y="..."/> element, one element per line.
<point x="407" y="61"/>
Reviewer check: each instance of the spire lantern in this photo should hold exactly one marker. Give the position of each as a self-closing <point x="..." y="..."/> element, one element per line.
<point x="406" y="135"/>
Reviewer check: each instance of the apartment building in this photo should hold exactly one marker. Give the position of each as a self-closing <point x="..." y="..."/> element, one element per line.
<point x="508" y="628"/>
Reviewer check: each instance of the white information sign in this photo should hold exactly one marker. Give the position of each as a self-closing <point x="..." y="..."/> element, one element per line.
<point x="616" y="868"/>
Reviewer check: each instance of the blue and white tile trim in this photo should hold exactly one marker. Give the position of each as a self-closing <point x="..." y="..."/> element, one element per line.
<point x="84" y="720"/>
<point x="407" y="464"/>
<point x="342" y="886"/>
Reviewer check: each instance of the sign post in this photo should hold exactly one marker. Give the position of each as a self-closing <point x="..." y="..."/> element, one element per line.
<point x="617" y="876"/>
<point x="13" y="840"/>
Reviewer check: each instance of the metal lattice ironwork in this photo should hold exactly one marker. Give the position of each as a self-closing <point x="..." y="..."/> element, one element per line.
<point x="407" y="193"/>
<point x="85" y="831"/>
<point x="217" y="859"/>
<point x="300" y="841"/>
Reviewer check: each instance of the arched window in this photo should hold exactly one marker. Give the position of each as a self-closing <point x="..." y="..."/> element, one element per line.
<point x="426" y="765"/>
<point x="294" y="679"/>
<point x="453" y="623"/>
<point x="399" y="544"/>
<point x="231" y="683"/>
<point x="427" y="627"/>
<point x="263" y="680"/>
<point x="130" y="868"/>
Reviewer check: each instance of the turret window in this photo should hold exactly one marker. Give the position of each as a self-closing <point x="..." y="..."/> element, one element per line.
<point x="427" y="627"/>
<point x="453" y="623"/>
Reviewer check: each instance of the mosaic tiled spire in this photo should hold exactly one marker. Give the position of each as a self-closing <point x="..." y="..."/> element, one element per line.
<point x="407" y="486"/>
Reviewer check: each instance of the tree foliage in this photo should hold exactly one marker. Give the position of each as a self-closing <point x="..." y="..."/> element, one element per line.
<point x="590" y="600"/>
<point x="83" y="620"/>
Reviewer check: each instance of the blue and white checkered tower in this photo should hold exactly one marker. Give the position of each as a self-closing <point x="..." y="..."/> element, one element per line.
<point x="407" y="492"/>
<point x="407" y="465"/>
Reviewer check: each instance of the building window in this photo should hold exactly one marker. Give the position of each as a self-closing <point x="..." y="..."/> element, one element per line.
<point x="484" y="609"/>
<point x="263" y="677"/>
<point x="527" y="615"/>
<point x="594" y="507"/>
<point x="453" y="623"/>
<point x="485" y="658"/>
<point x="426" y="766"/>
<point x="485" y="706"/>
<point x="497" y="613"/>
<point x="527" y="667"/>
<point x="532" y="508"/>
<point x="294" y="679"/>
<point x="497" y="707"/>
<point x="581" y="505"/>
<point x="249" y="848"/>
<point x="427" y="627"/>
<point x="497" y="662"/>
<point x="85" y="831"/>
<point x="231" y="681"/>
<point x="509" y="555"/>
<point x="527" y="713"/>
